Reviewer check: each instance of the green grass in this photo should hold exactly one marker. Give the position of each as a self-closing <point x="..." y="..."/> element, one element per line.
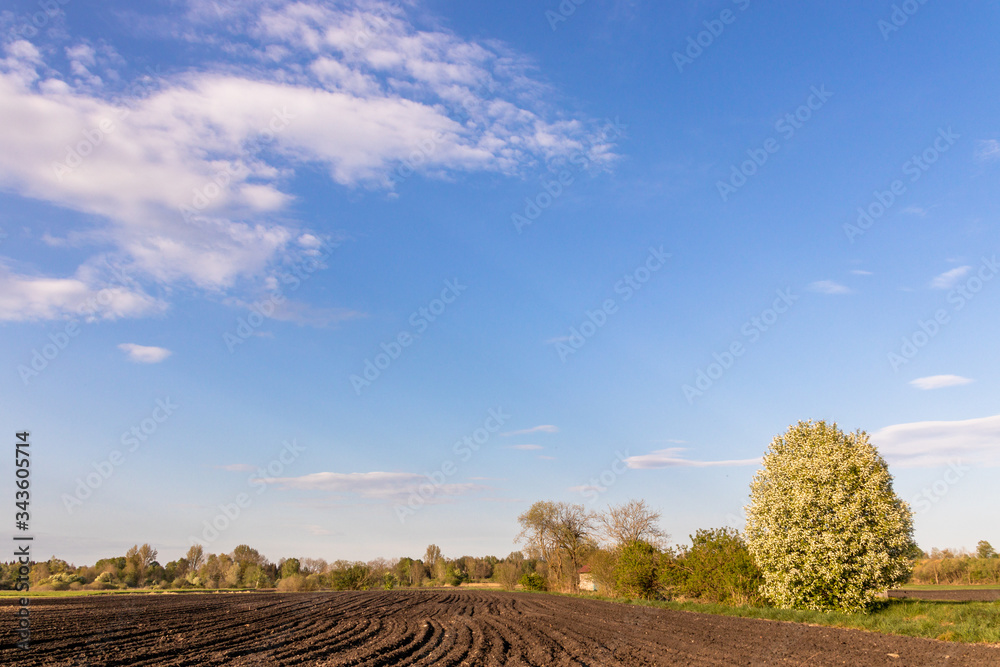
<point x="972" y="622"/>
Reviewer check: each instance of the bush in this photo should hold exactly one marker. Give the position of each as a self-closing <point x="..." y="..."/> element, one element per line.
<point x="60" y="582"/>
<point x="292" y="583"/>
<point x="507" y="575"/>
<point x="532" y="581"/>
<point x="717" y="567"/>
<point x="454" y="576"/>
<point x="635" y="570"/>
<point x="824" y="524"/>
<point x="351" y="577"/>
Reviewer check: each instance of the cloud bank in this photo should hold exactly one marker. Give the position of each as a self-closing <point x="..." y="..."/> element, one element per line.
<point x="184" y="176"/>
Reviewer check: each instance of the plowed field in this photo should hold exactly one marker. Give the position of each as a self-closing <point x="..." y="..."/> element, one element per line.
<point x="435" y="627"/>
<point x="970" y="594"/>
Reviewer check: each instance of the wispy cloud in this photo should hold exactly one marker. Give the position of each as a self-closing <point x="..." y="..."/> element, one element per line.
<point x="939" y="381"/>
<point x="526" y="448"/>
<point x="937" y="443"/>
<point x="988" y="149"/>
<point x="671" y="458"/>
<point x="237" y="467"/>
<point x="828" y="287"/>
<point x="915" y="210"/>
<point x="372" y="485"/>
<point x="145" y="354"/>
<point x="862" y="272"/>
<point x="544" y="428"/>
<point x="949" y="279"/>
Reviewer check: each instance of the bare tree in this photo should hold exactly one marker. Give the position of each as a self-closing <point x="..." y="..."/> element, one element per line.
<point x="631" y="522"/>
<point x="508" y="574"/>
<point x="561" y="534"/>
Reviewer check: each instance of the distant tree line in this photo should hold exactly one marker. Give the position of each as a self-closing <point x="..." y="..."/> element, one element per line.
<point x="246" y="568"/>
<point x="944" y="566"/>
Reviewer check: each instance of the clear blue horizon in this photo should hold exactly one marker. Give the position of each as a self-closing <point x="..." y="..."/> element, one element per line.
<point x="349" y="278"/>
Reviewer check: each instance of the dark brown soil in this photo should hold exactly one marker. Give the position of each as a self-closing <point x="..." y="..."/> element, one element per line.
<point x="964" y="595"/>
<point x="435" y="628"/>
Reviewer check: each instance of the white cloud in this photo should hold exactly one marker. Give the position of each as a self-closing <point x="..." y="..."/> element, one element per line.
<point x="182" y="179"/>
<point x="988" y="149"/>
<point x="949" y="279"/>
<point x="373" y="485"/>
<point x="939" y="381"/>
<point x="143" y="354"/>
<point x="671" y="458"/>
<point x="938" y="443"/>
<point x="237" y="467"/>
<point x="526" y="448"/>
<point x="31" y="298"/>
<point x="544" y="428"/>
<point x="828" y="287"/>
<point x="862" y="272"/>
<point x="915" y="210"/>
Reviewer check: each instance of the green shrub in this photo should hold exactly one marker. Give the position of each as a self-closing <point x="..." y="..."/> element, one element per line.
<point x="635" y="570"/>
<point x="351" y="577"/>
<point x="717" y="567"/>
<point x="453" y="576"/>
<point x="532" y="581"/>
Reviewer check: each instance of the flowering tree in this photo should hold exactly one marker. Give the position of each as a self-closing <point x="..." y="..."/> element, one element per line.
<point x="824" y="524"/>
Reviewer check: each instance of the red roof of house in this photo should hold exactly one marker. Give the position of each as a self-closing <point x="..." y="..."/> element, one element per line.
<point x="584" y="570"/>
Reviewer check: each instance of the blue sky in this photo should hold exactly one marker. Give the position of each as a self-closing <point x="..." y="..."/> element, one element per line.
<point x="345" y="279"/>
